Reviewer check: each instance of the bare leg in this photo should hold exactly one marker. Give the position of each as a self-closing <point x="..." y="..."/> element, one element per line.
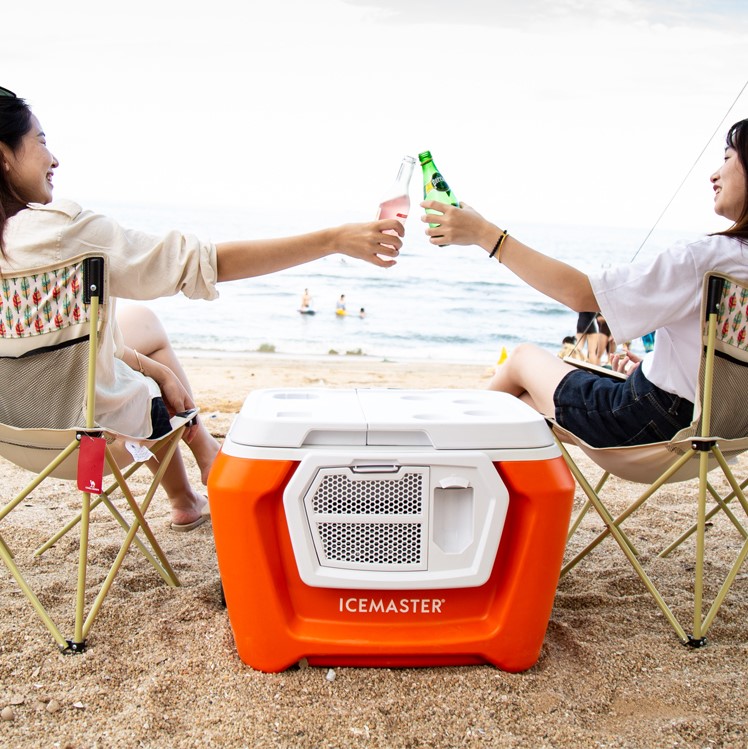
<point x="582" y="341"/>
<point x="143" y="331"/>
<point x="187" y="505"/>
<point x="532" y="374"/>
<point x="600" y="345"/>
<point x="591" y="341"/>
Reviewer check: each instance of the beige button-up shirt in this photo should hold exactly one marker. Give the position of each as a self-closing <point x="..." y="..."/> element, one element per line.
<point x="140" y="266"/>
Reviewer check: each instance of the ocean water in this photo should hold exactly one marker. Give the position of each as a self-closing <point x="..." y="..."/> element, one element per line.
<point x="440" y="304"/>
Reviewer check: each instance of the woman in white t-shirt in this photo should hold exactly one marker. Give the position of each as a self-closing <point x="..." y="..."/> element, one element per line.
<point x="656" y="400"/>
<point x="139" y="380"/>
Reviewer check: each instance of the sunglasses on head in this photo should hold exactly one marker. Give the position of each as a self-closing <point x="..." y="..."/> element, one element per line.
<point x="7" y="92"/>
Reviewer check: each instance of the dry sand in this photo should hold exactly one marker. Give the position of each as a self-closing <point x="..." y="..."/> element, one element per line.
<point x="161" y="669"/>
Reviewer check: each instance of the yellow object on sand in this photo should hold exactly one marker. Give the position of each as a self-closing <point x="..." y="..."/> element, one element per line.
<point x="503" y="356"/>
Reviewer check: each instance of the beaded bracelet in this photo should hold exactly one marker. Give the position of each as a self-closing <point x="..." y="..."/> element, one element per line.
<point x="498" y="245"/>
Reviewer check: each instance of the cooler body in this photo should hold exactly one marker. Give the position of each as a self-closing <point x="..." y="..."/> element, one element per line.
<point x="389" y="528"/>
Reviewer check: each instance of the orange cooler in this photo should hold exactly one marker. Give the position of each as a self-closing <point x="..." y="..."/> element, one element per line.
<point x="379" y="527"/>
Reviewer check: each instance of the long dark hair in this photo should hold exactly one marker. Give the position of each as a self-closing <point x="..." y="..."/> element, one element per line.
<point x="737" y="139"/>
<point x="15" y="122"/>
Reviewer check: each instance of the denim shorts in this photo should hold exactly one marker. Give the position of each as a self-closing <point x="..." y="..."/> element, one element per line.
<point x="159" y="419"/>
<point x="607" y="412"/>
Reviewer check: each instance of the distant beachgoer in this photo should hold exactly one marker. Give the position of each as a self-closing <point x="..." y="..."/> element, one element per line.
<point x="648" y="341"/>
<point x="139" y="380"/>
<point x="606" y="344"/>
<point x="657" y="399"/>
<point x="569" y="349"/>
<point x="362" y="312"/>
<point x="340" y="306"/>
<point x="306" y="300"/>
<point x="587" y="336"/>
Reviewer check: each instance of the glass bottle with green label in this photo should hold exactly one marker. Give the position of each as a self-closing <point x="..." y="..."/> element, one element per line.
<point x="435" y="187"/>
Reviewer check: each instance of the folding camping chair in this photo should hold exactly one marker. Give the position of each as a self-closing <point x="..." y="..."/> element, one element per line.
<point x="718" y="433"/>
<point x="50" y="319"/>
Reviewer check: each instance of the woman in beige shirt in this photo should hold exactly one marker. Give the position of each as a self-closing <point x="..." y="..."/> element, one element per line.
<point x="139" y="376"/>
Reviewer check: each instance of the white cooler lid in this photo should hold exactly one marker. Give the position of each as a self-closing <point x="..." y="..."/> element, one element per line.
<point x="443" y="419"/>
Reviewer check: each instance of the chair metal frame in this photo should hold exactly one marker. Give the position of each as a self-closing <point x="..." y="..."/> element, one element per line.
<point x="93" y="297"/>
<point x="705" y="446"/>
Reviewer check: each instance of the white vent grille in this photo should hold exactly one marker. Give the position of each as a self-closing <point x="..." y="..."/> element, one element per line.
<point x="372" y="543"/>
<point x="339" y="495"/>
<point x="361" y="522"/>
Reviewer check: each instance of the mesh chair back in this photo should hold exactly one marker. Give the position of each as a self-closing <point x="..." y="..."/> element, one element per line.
<point x="46" y="391"/>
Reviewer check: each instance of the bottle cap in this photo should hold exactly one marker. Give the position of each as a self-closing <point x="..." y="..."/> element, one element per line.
<point x="424" y="157"/>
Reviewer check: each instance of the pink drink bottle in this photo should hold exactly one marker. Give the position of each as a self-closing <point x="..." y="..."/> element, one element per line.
<point x="396" y="203"/>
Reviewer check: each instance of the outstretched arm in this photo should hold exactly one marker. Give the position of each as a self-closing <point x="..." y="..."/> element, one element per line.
<point x="367" y="241"/>
<point x="558" y="280"/>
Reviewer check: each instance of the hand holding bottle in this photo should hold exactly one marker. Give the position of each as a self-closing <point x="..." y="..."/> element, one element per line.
<point x="458" y="225"/>
<point x="377" y="242"/>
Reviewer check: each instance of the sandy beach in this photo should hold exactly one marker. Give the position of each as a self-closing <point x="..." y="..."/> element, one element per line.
<point x="161" y="669"/>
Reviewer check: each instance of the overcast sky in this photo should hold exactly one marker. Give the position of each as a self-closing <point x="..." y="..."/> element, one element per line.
<point x="572" y="111"/>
